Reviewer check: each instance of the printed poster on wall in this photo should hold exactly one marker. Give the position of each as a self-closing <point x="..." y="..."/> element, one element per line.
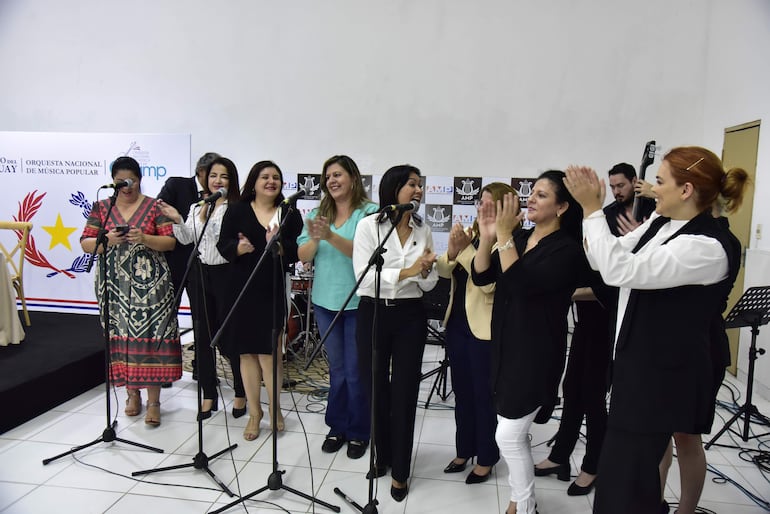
<point x="52" y="180"/>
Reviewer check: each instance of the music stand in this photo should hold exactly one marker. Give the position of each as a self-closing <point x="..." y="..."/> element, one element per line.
<point x="752" y="310"/>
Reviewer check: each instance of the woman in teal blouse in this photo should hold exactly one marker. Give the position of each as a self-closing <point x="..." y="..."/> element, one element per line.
<point x="327" y="240"/>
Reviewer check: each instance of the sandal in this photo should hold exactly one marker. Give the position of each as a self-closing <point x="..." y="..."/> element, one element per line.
<point x="251" y="431"/>
<point x="133" y="402"/>
<point x="280" y="425"/>
<point x="152" y="417"/>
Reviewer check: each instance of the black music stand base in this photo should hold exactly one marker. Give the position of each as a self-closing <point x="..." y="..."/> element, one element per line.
<point x="748" y="409"/>
<point x="752" y="310"/>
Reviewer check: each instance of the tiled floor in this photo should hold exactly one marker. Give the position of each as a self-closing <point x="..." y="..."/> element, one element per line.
<point x="98" y="479"/>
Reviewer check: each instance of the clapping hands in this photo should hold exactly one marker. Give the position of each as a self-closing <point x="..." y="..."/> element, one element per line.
<point x="585" y="186"/>
<point x="459" y="238"/>
<point x="318" y="228"/>
<point x="498" y="220"/>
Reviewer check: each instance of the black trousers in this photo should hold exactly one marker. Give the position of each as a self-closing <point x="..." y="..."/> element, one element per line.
<point x="208" y="304"/>
<point x="629" y="479"/>
<point x="400" y="333"/>
<point x="585" y="387"/>
<point x="475" y="415"/>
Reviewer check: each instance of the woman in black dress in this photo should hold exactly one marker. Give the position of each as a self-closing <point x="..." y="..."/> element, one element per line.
<point x="247" y="227"/>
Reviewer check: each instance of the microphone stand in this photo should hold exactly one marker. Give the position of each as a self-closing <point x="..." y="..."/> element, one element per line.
<point x="201" y="460"/>
<point x="275" y="479"/>
<point x="381" y="250"/>
<point x="377" y="261"/>
<point x="108" y="435"/>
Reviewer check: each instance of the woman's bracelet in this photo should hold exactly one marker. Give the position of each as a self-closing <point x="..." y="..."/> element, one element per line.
<point x="506" y="246"/>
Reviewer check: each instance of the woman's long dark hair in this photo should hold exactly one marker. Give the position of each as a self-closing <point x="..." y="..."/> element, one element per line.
<point x="571" y="221"/>
<point x="233" y="189"/>
<point x="392" y="182"/>
<point x="249" y="192"/>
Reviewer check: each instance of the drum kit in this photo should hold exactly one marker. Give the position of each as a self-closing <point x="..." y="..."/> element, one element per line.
<point x="302" y="330"/>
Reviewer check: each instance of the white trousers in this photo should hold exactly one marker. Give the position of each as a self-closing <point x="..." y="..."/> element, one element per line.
<point x="512" y="438"/>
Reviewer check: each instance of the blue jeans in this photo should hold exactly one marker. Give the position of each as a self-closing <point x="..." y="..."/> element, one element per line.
<point x="347" y="411"/>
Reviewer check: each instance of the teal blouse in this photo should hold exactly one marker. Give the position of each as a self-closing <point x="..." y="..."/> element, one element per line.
<point x="333" y="277"/>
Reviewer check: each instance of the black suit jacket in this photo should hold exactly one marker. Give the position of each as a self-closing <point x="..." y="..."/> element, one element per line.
<point x="180" y="193"/>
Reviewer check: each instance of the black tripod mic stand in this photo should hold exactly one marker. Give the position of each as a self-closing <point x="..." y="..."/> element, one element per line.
<point x="374" y="260"/>
<point x="108" y="435"/>
<point x="201" y="460"/>
<point x="275" y="479"/>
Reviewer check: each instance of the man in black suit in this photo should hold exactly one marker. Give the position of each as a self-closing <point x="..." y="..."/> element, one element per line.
<point x="181" y="193"/>
<point x="619" y="213"/>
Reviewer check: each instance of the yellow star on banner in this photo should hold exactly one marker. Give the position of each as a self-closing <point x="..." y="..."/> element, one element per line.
<point x="60" y="233"/>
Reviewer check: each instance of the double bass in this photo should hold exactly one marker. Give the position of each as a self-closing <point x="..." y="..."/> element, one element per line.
<point x="648" y="157"/>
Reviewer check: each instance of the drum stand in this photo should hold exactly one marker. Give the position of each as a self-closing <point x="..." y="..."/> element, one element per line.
<point x="300" y="346"/>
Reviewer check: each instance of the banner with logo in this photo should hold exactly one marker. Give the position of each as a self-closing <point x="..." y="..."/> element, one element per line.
<point x="52" y="180"/>
<point x="446" y="200"/>
<point x="451" y="200"/>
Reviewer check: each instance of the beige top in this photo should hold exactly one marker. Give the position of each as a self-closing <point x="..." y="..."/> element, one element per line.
<point x="478" y="300"/>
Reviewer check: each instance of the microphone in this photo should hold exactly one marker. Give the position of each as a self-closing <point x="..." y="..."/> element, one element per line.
<point x="301" y="192"/>
<point x="402" y="207"/>
<point x="213" y="198"/>
<point x="119" y="185"/>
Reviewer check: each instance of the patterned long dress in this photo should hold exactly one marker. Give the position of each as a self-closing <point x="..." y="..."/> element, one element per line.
<point x="141" y="300"/>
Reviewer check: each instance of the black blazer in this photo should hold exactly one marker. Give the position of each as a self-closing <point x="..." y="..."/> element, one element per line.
<point x="180" y="193"/>
<point x="663" y="371"/>
<point x="529" y="322"/>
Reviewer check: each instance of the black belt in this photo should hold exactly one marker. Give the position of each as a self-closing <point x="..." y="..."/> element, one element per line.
<point x="395" y="302"/>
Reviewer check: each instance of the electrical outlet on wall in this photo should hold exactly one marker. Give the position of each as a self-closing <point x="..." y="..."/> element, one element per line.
<point x="758" y="231"/>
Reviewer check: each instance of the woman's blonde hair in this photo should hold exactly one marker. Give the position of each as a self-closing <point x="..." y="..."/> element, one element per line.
<point x="498" y="190"/>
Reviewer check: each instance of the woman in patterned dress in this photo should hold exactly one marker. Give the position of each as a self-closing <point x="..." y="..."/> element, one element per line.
<point x="139" y="290"/>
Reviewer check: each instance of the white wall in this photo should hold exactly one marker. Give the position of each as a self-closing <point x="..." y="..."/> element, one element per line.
<point x="451" y="86"/>
<point x="737" y="79"/>
<point x="455" y="87"/>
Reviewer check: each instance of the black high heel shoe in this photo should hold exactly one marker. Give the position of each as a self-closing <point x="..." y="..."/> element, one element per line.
<point x="206" y="414"/>
<point x="473" y="478"/>
<point x="561" y="471"/>
<point x="237" y="413"/>
<point x="579" y="490"/>
<point x="399" y="493"/>
<point x="454" y="467"/>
